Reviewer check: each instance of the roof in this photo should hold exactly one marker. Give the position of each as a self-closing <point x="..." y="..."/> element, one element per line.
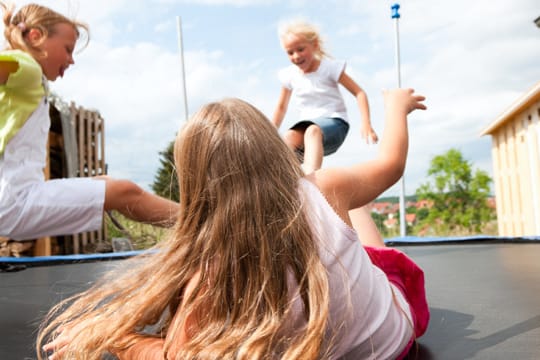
<point x="519" y="105"/>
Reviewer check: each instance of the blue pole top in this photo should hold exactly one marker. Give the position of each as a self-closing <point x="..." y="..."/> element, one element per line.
<point x="395" y="14"/>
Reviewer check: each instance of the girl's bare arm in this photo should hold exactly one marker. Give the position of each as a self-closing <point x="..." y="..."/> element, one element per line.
<point x="350" y="187"/>
<point x="366" y="129"/>
<point x="281" y="108"/>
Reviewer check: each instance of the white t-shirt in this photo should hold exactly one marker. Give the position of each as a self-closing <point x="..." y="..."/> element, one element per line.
<point x="367" y="322"/>
<point x="31" y="207"/>
<point x="317" y="93"/>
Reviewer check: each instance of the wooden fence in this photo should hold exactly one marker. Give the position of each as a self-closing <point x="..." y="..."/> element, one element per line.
<point x="76" y="149"/>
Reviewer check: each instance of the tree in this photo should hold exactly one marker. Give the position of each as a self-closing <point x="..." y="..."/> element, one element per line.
<point x="459" y="197"/>
<point x="166" y="182"/>
<point x="378" y="219"/>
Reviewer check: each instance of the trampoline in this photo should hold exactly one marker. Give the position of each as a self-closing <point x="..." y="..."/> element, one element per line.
<point x="483" y="292"/>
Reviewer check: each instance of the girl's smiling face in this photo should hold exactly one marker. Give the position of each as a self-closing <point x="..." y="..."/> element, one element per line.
<point x="58" y="50"/>
<point x="301" y="52"/>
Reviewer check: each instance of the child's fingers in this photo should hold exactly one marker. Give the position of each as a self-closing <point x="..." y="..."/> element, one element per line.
<point x="418" y="102"/>
<point x="374" y="137"/>
<point x="54" y="349"/>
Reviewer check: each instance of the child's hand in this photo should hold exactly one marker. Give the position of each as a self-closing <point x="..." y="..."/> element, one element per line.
<point x="403" y="100"/>
<point x="369" y="135"/>
<point x="55" y="349"/>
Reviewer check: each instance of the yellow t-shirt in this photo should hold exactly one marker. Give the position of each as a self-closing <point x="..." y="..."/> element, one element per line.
<point x="20" y="95"/>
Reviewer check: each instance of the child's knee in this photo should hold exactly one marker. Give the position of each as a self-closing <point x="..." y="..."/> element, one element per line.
<point x="293" y="139"/>
<point x="313" y="132"/>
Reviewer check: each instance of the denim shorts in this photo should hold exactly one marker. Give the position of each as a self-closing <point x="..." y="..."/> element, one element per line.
<point x="334" y="131"/>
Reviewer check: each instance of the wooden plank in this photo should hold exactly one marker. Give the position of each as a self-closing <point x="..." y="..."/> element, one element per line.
<point x="535" y="158"/>
<point x="506" y="220"/>
<point x="103" y="165"/>
<point x="42" y="247"/>
<point x="525" y="209"/>
<point x="515" y="198"/>
<point x="496" y="150"/>
<point x="532" y="210"/>
<point x="80" y="137"/>
<point x="95" y="152"/>
<point x="88" y="126"/>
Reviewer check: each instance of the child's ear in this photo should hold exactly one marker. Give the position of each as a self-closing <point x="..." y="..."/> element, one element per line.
<point x="34" y="36"/>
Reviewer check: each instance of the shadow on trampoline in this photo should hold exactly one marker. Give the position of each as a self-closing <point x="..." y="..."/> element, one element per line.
<point x="451" y="333"/>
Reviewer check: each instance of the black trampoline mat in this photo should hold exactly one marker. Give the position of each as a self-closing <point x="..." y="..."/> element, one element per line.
<point x="484" y="300"/>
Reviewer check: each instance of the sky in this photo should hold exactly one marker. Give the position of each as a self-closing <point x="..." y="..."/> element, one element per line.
<point x="471" y="59"/>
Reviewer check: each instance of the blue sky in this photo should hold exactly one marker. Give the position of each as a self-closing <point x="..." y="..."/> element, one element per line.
<point x="471" y="59"/>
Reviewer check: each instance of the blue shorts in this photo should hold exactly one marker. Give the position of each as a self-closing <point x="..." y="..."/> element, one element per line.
<point x="334" y="131"/>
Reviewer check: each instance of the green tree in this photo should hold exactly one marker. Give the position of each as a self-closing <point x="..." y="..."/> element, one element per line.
<point x="166" y="182"/>
<point x="378" y="219"/>
<point x="421" y="214"/>
<point x="459" y="197"/>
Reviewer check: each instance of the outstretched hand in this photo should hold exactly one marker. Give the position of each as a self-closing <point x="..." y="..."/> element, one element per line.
<point x="56" y="348"/>
<point x="403" y="100"/>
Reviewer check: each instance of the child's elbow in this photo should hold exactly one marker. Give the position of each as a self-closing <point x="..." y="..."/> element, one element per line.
<point x="398" y="172"/>
<point x="393" y="172"/>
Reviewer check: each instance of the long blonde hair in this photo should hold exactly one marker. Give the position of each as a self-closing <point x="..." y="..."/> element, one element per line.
<point x="309" y="31"/>
<point x="242" y="226"/>
<point x="33" y="16"/>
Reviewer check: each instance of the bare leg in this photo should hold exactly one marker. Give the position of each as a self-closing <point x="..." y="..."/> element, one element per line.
<point x="313" y="149"/>
<point x="365" y="227"/>
<point x="294" y="138"/>
<point x="139" y="205"/>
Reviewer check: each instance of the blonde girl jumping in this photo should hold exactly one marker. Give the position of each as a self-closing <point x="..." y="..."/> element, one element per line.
<point x="314" y="79"/>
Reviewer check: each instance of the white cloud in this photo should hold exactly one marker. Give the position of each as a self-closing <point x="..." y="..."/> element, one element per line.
<point x="138" y="90"/>
<point x="471" y="60"/>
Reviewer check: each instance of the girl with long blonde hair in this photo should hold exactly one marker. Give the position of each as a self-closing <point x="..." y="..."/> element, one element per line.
<point x="263" y="262"/>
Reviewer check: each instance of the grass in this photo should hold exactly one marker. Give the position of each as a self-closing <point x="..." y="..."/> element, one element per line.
<point x="142" y="236"/>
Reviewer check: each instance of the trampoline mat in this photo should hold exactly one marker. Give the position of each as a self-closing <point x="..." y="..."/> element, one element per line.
<point x="484" y="300"/>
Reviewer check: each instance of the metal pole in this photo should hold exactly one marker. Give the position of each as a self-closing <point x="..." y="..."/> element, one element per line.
<point x="402" y="208"/>
<point x="181" y="49"/>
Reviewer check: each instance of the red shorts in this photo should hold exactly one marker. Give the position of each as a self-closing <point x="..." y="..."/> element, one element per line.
<point x="403" y="272"/>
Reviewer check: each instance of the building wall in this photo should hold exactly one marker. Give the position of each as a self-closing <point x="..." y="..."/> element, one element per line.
<point x="516" y="162"/>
